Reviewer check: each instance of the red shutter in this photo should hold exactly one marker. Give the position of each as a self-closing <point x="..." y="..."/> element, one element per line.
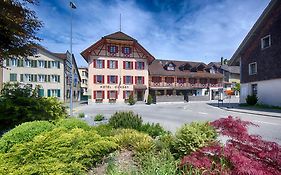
<point x="124" y="79"/>
<point x="116" y="64"/>
<point x="108" y="49"/>
<point x="132" y="65"/>
<point x="124" y="94"/>
<point x="95" y="80"/>
<point x="142" y="80"/>
<point x="123" y="50"/>
<point x="136" y="65"/>
<point x="124" y="64"/>
<point x="102" y="63"/>
<point x="95" y="63"/>
<point x="102" y="94"/>
<point x="132" y="81"/>
<point x="136" y="80"/>
<point x="143" y="65"/>
<point x="94" y="94"/>
<point x="116" y="49"/>
<point x="132" y="93"/>
<point x="108" y="62"/>
<point x="108" y="79"/>
<point x="103" y="79"/>
<point x="116" y="95"/>
<point x="130" y="50"/>
<point x="108" y="94"/>
<point x="116" y="79"/>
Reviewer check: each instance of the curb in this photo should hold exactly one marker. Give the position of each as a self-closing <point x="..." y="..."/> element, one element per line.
<point x="246" y="112"/>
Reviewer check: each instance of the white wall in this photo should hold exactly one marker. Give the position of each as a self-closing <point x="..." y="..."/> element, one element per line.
<point x="269" y="92"/>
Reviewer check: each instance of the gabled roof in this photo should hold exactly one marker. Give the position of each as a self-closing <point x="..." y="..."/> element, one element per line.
<point x="119" y="36"/>
<point x="257" y="25"/>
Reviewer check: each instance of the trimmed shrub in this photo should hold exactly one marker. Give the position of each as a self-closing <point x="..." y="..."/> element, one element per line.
<point x="134" y="140"/>
<point x="131" y="100"/>
<point x="81" y="115"/>
<point x="23" y="133"/>
<point x="192" y="136"/>
<point x="125" y="120"/>
<point x="251" y="100"/>
<point x="60" y="151"/>
<point x="165" y="141"/>
<point x="149" y="100"/>
<point x="72" y="123"/>
<point x="153" y="129"/>
<point x="99" y="117"/>
<point x="104" y="130"/>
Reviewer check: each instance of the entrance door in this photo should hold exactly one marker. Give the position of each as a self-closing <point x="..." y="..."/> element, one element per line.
<point x="139" y="95"/>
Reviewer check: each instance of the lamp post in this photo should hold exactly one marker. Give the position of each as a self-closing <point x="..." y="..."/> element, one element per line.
<point x="72" y="6"/>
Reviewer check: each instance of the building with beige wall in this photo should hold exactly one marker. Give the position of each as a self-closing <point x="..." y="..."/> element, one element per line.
<point x="45" y="69"/>
<point x="83" y="71"/>
<point x="117" y="67"/>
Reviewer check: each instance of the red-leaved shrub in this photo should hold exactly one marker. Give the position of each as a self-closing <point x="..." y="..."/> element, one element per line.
<point x="243" y="153"/>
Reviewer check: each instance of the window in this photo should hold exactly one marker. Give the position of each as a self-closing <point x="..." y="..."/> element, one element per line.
<point x="180" y="80"/>
<point x="112" y="64"/>
<point x="126" y="50"/>
<point x="55" y="78"/>
<point x="139" y="65"/>
<point x="139" y="80"/>
<point x="254" y="89"/>
<point x="41" y="63"/>
<point x="13" y="77"/>
<point x="13" y="62"/>
<point x="27" y="77"/>
<point x="203" y="80"/>
<point x="170" y="67"/>
<point x="99" y="79"/>
<point x="192" y="80"/>
<point x="27" y="63"/>
<point x="55" y="64"/>
<point x="41" y="78"/>
<point x="112" y="79"/>
<point x="41" y="92"/>
<point x="128" y="80"/>
<point x="112" y="49"/>
<point x="266" y="42"/>
<point x="99" y="64"/>
<point x="99" y="94"/>
<point x="112" y="94"/>
<point x="53" y="92"/>
<point x="252" y="68"/>
<point x="126" y="94"/>
<point x="156" y="79"/>
<point x="128" y="65"/>
<point x="169" y="79"/>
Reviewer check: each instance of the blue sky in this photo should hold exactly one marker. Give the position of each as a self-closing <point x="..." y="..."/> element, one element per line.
<point x="193" y="30"/>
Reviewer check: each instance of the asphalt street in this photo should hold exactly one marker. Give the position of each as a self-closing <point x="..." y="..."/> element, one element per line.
<point x="172" y="116"/>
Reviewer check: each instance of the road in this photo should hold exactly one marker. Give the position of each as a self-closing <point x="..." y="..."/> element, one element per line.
<point x="173" y="116"/>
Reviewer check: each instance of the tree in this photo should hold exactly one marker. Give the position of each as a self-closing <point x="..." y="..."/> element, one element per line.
<point x="237" y="87"/>
<point x="18" y="27"/>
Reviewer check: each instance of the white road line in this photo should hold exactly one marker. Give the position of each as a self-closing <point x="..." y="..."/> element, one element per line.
<point x="203" y="113"/>
<point x="266" y="122"/>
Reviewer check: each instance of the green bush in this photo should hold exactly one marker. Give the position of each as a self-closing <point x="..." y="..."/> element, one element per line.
<point x="192" y="136"/>
<point x="149" y="100"/>
<point x="81" y="115"/>
<point x="104" y="130"/>
<point x="24" y="133"/>
<point x="252" y="99"/>
<point x="71" y="123"/>
<point x="165" y="141"/>
<point x="131" y="100"/>
<point x="153" y="129"/>
<point x="59" y="151"/>
<point x="99" y="117"/>
<point x="125" y="120"/>
<point x="134" y="140"/>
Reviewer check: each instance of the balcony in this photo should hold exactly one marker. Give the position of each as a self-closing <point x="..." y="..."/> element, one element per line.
<point x="183" y="85"/>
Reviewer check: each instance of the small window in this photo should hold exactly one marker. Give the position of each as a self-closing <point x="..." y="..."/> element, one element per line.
<point x="254" y="89"/>
<point x="14" y="62"/>
<point x="100" y="64"/>
<point x="112" y="64"/>
<point x="112" y="79"/>
<point x="253" y="68"/>
<point x="127" y="50"/>
<point x="41" y="78"/>
<point x="41" y="63"/>
<point x="140" y="65"/>
<point x="128" y="65"/>
<point x="99" y="79"/>
<point x="266" y="42"/>
<point x="13" y="77"/>
<point x="99" y="95"/>
<point x="113" y="49"/>
<point x="27" y="63"/>
<point x="139" y="80"/>
<point x="170" y="67"/>
<point x="128" y="80"/>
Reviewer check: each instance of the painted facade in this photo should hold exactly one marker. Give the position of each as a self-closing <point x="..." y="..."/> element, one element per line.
<point x="83" y="71"/>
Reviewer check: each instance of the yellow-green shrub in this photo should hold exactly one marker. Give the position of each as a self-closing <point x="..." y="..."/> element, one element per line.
<point x="23" y="133"/>
<point x="134" y="140"/>
<point x="104" y="130"/>
<point x="71" y="123"/>
<point x="60" y="151"/>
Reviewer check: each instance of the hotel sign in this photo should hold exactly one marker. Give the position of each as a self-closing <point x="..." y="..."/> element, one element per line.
<point x="114" y="87"/>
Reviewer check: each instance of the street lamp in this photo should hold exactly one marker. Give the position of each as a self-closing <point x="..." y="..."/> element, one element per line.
<point x="72" y="6"/>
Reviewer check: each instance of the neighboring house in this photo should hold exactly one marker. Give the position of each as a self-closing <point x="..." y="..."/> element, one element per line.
<point x="76" y="92"/>
<point x="231" y="74"/>
<point x="259" y="56"/>
<point x="183" y="78"/>
<point x="83" y="71"/>
<point x="118" y="67"/>
<point x="45" y="69"/>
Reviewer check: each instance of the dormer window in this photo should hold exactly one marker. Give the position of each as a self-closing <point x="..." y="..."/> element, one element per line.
<point x="126" y="50"/>
<point x="265" y="42"/>
<point x="113" y="49"/>
<point x="170" y="67"/>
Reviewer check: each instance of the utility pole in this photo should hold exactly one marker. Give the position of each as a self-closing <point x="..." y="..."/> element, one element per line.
<point x="72" y="7"/>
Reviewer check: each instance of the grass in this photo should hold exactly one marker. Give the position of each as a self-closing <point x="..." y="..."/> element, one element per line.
<point x="261" y="106"/>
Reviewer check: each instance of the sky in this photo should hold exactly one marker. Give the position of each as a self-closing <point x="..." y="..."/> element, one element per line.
<point x="191" y="30"/>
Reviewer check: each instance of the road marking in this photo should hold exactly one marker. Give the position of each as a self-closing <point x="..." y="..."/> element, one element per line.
<point x="266" y="122"/>
<point x="203" y="113"/>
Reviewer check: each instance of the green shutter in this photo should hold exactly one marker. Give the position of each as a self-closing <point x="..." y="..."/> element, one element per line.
<point x="7" y="62"/>
<point x="32" y="63"/>
<point x="35" y="78"/>
<point x="59" y="64"/>
<point x="31" y="77"/>
<point x="49" y="64"/>
<point x="21" y="77"/>
<point x="58" y="78"/>
<point x="49" y="93"/>
<point x="49" y="78"/>
<point x="46" y="80"/>
<point x="35" y="63"/>
<point x="21" y="63"/>
<point x="13" y="77"/>
<point x="18" y="62"/>
<point x="41" y="93"/>
<point x="46" y="64"/>
<point x="58" y="91"/>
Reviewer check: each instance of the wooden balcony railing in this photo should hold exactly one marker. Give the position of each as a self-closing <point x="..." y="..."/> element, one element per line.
<point x="187" y="85"/>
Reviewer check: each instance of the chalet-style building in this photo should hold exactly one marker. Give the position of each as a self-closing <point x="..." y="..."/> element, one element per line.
<point x="183" y="78"/>
<point x="259" y="56"/>
<point x="117" y="67"/>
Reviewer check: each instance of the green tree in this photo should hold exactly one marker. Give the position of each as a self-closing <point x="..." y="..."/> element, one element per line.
<point x="237" y="87"/>
<point x="18" y="28"/>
